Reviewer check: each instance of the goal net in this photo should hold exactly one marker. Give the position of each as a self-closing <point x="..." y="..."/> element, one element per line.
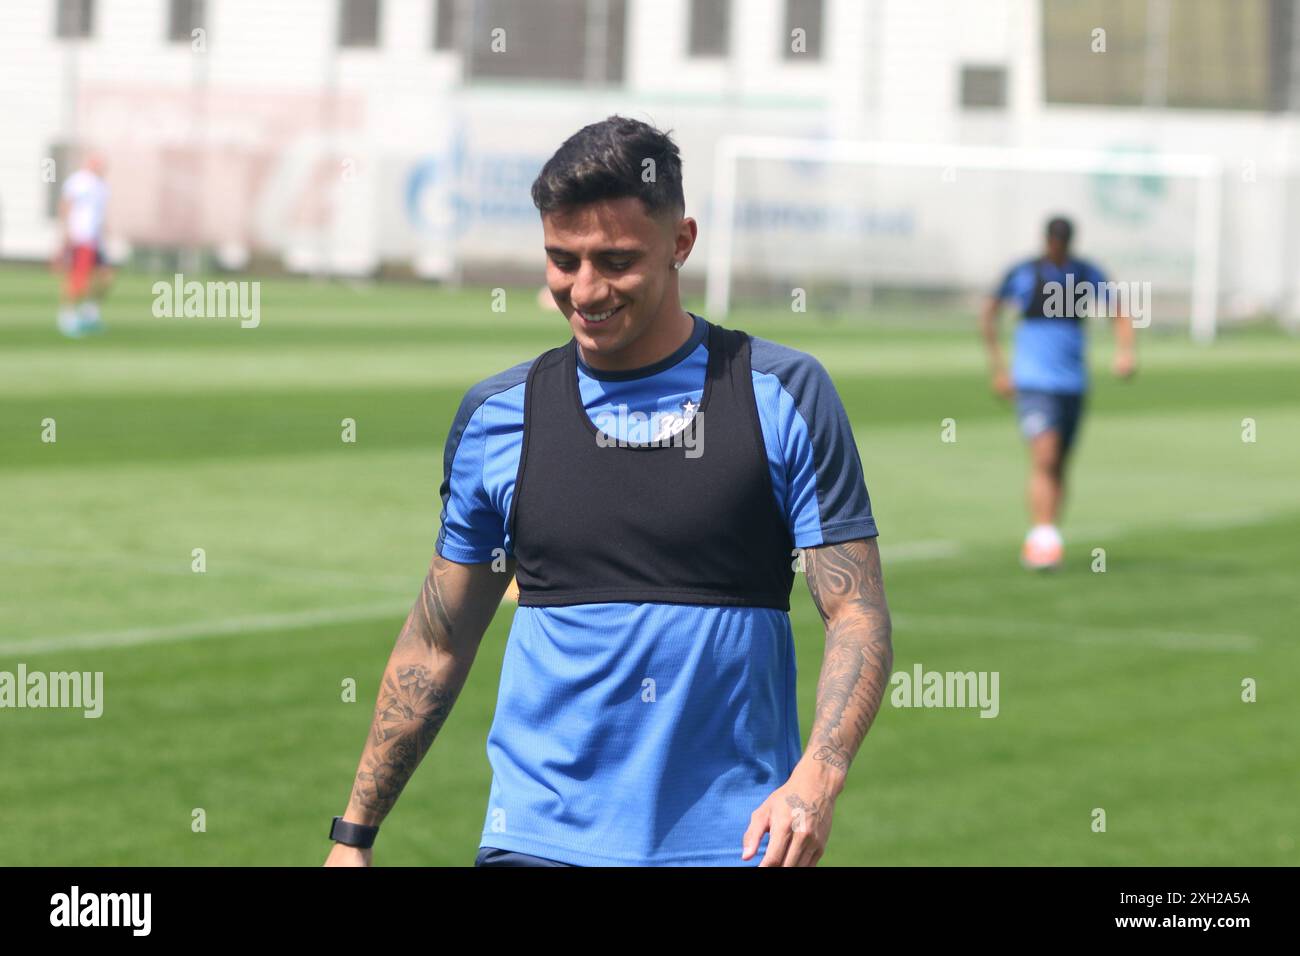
<point x="843" y="226"/>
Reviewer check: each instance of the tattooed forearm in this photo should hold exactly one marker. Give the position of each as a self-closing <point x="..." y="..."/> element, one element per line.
<point x="430" y="622"/>
<point x="847" y="587"/>
<point x="426" y="670"/>
<point x="849" y="691"/>
<point x="411" y="709"/>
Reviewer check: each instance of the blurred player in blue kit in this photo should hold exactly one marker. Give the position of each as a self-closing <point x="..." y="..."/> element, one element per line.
<point x="1055" y="293"/>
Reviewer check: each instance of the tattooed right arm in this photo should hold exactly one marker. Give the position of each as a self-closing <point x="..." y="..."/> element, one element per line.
<point x="426" y="671"/>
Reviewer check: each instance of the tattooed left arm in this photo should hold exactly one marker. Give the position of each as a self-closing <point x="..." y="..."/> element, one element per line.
<point x="848" y="590"/>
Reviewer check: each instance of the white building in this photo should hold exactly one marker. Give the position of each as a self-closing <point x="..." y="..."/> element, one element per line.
<point x="345" y="134"/>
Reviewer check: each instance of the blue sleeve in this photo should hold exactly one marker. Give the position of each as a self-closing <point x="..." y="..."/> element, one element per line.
<point x="1006" y="288"/>
<point x="472" y="528"/>
<point x="826" y="498"/>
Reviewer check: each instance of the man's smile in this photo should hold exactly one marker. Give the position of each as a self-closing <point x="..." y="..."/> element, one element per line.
<point x="595" y="318"/>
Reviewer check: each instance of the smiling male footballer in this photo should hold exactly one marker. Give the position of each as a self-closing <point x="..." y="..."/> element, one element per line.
<point x="646" y="714"/>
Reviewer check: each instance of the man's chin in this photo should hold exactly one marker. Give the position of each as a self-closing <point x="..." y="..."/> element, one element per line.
<point x="597" y="344"/>
<point x="606" y="337"/>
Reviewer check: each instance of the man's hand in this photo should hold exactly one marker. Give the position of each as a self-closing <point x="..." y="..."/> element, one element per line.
<point x="1125" y="364"/>
<point x="344" y="855"/>
<point x="1002" y="386"/>
<point x="797" y="817"/>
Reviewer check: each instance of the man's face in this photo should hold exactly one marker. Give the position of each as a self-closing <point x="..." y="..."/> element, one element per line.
<point x="609" y="269"/>
<point x="1058" y="249"/>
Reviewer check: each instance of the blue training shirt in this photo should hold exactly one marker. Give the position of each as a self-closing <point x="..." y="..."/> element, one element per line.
<point x="1048" y="354"/>
<point x="647" y="733"/>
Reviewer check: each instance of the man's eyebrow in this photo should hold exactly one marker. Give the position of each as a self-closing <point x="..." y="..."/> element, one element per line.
<point x="611" y="251"/>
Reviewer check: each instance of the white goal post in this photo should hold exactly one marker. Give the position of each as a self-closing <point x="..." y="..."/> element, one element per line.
<point x="903" y="213"/>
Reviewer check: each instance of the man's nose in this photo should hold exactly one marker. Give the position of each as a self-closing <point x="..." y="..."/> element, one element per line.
<point x="590" y="290"/>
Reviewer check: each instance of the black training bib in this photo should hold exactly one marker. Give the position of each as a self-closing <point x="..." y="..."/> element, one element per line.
<point x="593" y="523"/>
<point x="1037" y="307"/>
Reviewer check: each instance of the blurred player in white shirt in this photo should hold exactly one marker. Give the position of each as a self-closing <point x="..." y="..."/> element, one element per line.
<point x="82" y="209"/>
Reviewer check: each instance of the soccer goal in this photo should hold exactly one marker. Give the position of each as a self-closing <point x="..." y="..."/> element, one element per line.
<point x="847" y="222"/>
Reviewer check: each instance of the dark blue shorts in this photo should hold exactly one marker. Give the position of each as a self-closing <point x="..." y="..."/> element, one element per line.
<point x="491" y="856"/>
<point x="1038" y="412"/>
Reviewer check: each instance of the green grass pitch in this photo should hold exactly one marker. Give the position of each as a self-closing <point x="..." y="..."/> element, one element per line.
<point x="1119" y="690"/>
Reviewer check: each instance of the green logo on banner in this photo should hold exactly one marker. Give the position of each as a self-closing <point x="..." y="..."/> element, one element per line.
<point x="1129" y="197"/>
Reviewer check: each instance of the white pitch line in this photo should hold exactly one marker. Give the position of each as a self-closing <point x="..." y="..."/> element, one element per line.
<point x="1049" y="631"/>
<point x="906" y="551"/>
<point x="201" y="629"/>
<point x="918" y="551"/>
<point x="1204" y="522"/>
<point x="180" y="566"/>
<point x="891" y="553"/>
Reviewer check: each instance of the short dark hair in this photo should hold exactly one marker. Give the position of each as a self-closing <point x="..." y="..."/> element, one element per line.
<point x="606" y="160"/>
<point x="1058" y="227"/>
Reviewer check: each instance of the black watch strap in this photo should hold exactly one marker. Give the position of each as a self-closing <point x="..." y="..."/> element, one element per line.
<point x="353" y="834"/>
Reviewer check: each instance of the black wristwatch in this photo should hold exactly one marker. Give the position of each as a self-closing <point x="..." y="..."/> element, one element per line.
<point x="353" y="834"/>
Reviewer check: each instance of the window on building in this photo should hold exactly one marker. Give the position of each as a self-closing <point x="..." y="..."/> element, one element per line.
<point x="1196" y="54"/>
<point x="444" y="24"/>
<point x="74" y="18"/>
<point x="710" y="28"/>
<point x="1284" y="55"/>
<point x="805" y="15"/>
<point x="358" y="23"/>
<point x="578" y="41"/>
<point x="983" y="87"/>
<point x="1073" y="72"/>
<point x="184" y="17"/>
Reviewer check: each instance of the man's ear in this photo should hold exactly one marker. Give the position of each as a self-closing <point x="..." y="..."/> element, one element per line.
<point x="692" y="232"/>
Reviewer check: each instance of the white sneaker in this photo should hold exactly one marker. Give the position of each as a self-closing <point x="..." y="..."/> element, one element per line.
<point x="1044" y="550"/>
<point x="88" y="314"/>
<point x="70" y="323"/>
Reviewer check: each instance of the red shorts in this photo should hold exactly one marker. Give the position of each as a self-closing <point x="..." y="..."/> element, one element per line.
<point x="82" y="260"/>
